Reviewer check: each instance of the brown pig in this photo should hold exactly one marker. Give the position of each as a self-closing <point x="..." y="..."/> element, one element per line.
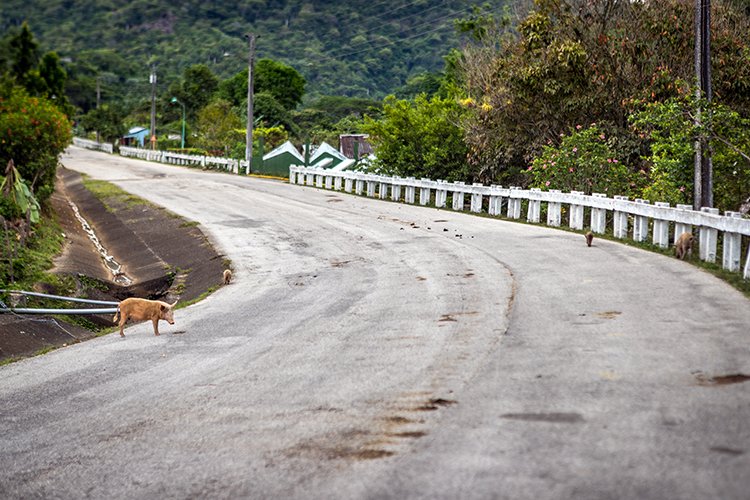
<point x="143" y="309"/>
<point x="684" y="245"/>
<point x="227" y="276"/>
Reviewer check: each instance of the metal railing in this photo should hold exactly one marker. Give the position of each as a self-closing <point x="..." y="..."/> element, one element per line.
<point x="27" y="310"/>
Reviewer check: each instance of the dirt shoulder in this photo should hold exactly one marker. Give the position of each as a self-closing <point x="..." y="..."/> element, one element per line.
<point x="164" y="256"/>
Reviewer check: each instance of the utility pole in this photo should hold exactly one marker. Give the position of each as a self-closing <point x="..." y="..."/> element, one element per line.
<point x="703" y="165"/>
<point x="249" y="135"/>
<point x="152" y="80"/>
<point x="98" y="102"/>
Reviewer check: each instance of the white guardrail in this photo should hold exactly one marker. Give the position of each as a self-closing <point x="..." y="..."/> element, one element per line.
<point x="97" y="146"/>
<point x="228" y="164"/>
<point x="496" y="200"/>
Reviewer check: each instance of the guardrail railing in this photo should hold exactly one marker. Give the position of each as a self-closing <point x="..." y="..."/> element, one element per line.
<point x="659" y="219"/>
<point x="97" y="146"/>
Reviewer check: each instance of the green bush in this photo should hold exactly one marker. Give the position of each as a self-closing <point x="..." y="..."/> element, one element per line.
<point x="585" y="161"/>
<point x="33" y="133"/>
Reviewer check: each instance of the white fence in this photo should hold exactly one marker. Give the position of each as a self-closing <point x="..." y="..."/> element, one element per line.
<point x="98" y="146"/>
<point x="228" y="164"/>
<point x="659" y="218"/>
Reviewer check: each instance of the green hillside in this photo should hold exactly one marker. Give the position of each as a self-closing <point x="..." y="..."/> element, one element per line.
<point x="352" y="48"/>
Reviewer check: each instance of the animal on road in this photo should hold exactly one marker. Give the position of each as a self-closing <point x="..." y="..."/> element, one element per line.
<point x="589" y="238"/>
<point x="143" y="309"/>
<point x="227" y="276"/>
<point x="684" y="245"/>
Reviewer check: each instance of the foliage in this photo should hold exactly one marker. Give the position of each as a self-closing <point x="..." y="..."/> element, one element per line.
<point x="269" y="112"/>
<point x="196" y="89"/>
<point x="272" y="136"/>
<point x="340" y="48"/>
<point x="107" y="120"/>
<point x="571" y="62"/>
<point x="17" y="192"/>
<point x="283" y="82"/>
<point x="218" y="128"/>
<point x="26" y="264"/>
<point x="586" y="161"/>
<point x="419" y="138"/>
<point x="33" y="133"/>
<point x="43" y="77"/>
<point x="671" y="130"/>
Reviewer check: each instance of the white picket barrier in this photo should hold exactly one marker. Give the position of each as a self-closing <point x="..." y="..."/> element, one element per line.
<point x="659" y="219"/>
<point x="96" y="146"/>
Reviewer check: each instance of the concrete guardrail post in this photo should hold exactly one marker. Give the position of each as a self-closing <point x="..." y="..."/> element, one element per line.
<point x="514" y="204"/>
<point x="534" y="213"/>
<point x="476" y="198"/>
<point x="318" y="179"/>
<point x="661" y="229"/>
<point x="732" y="247"/>
<point x="620" y="222"/>
<point x="496" y="201"/>
<point x="410" y="190"/>
<point x="598" y="217"/>
<point x="337" y="183"/>
<point x="329" y="181"/>
<point x="458" y="196"/>
<point x="708" y="238"/>
<point x="576" y="213"/>
<point x="348" y="184"/>
<point x="359" y="184"/>
<point x="554" y="212"/>
<point x="681" y="227"/>
<point x="425" y="192"/>
<point x="396" y="189"/>
<point x="441" y="194"/>
<point x="640" y="224"/>
<point x="383" y="188"/>
<point x="371" y="185"/>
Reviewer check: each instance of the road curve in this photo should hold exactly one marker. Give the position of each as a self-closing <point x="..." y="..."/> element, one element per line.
<point x="369" y="349"/>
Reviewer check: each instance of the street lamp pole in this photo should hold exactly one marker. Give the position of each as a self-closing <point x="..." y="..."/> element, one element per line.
<point x="175" y="100"/>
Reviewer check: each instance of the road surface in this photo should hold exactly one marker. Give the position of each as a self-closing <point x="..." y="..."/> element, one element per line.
<point x="369" y="349"/>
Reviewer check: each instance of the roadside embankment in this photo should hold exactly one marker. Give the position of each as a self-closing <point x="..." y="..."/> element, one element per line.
<point x="159" y="256"/>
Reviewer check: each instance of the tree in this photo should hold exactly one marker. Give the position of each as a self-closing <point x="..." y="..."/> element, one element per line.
<point x="420" y="138"/>
<point x="25" y="52"/>
<point x="197" y="88"/>
<point x="281" y="81"/>
<point x="573" y="62"/>
<point x="33" y="133"/>
<point x="107" y="120"/>
<point x="219" y="129"/>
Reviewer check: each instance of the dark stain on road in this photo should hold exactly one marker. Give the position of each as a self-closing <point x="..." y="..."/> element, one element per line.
<point x="727" y="451"/>
<point x="557" y="418"/>
<point x="735" y="378"/>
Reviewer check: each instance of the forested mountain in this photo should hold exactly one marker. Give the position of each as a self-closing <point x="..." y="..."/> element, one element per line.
<point x="356" y="48"/>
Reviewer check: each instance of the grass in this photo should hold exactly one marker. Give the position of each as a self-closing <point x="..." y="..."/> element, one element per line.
<point x="107" y="193"/>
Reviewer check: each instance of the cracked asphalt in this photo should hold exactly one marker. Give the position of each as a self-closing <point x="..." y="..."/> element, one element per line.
<point x="365" y="350"/>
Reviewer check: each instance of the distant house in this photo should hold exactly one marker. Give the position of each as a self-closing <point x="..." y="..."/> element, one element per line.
<point x="135" y="137"/>
<point x="355" y="146"/>
<point x="277" y="161"/>
<point x="326" y="156"/>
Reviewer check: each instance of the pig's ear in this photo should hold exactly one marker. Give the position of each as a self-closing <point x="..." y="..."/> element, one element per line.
<point x="162" y="307"/>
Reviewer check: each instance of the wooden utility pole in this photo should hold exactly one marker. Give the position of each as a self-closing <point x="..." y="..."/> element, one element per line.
<point x="152" y="79"/>
<point x="703" y="165"/>
<point x="98" y="102"/>
<point x="249" y="135"/>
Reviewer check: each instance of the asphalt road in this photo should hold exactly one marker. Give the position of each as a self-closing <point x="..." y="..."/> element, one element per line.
<point x="369" y="349"/>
